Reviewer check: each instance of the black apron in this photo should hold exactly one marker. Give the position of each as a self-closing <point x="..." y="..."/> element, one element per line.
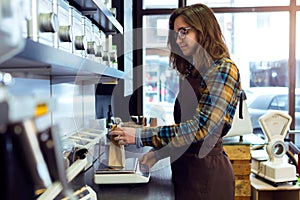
<point x="207" y="178"/>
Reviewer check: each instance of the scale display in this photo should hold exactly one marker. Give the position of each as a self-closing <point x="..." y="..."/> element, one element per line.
<point x="275" y="124"/>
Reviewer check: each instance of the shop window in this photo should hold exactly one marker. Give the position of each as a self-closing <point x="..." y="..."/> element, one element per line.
<point x="254" y="44"/>
<point x="241" y="3"/>
<point x="158" y="4"/>
<point x="160" y="83"/>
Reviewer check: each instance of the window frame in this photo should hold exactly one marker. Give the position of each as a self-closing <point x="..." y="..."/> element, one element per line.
<point x="139" y="12"/>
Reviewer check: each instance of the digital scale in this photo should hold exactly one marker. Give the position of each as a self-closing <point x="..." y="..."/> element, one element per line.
<point x="132" y="173"/>
<point x="117" y="167"/>
<point x="275" y="168"/>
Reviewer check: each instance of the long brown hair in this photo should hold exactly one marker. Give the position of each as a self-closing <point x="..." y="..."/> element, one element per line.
<point x="210" y="38"/>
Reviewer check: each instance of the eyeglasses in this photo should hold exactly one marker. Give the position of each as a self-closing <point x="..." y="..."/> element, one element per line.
<point x="182" y="32"/>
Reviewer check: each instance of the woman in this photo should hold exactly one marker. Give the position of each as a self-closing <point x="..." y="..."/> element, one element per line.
<point x="200" y="168"/>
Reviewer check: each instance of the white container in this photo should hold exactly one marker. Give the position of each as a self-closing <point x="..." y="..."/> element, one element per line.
<point x="107" y="3"/>
<point x="11" y="38"/>
<point x="106" y="58"/>
<point x="27" y="16"/>
<point x="88" y="32"/>
<point x="79" y="42"/>
<point x="114" y="57"/>
<point x="63" y="37"/>
<point x="44" y="23"/>
<point x="98" y="42"/>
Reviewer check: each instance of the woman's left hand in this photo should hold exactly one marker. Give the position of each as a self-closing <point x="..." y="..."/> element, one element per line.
<point x="124" y="135"/>
<point x="149" y="159"/>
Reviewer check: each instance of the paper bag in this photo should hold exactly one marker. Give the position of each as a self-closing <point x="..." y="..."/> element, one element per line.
<point x="116" y="157"/>
<point x="241" y="124"/>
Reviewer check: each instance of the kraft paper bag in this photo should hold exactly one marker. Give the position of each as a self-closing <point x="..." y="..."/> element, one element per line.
<point x="116" y="157"/>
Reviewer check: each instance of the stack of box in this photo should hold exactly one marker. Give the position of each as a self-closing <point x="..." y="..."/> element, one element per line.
<point x="240" y="157"/>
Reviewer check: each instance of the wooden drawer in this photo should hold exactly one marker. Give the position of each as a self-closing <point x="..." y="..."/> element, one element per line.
<point x="238" y="152"/>
<point x="242" y="188"/>
<point x="241" y="168"/>
<point x="240" y="158"/>
<point x="242" y="198"/>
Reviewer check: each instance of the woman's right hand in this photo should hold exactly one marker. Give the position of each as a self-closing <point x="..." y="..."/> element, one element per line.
<point x="123" y="135"/>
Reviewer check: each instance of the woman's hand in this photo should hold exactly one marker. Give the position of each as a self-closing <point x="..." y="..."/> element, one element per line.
<point x="148" y="159"/>
<point x="124" y="135"/>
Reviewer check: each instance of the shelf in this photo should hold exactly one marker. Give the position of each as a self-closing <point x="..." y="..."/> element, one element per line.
<point x="99" y="14"/>
<point x="43" y="61"/>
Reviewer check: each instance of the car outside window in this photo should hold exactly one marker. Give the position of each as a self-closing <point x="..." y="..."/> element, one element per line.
<point x="279" y="103"/>
<point x="297" y="104"/>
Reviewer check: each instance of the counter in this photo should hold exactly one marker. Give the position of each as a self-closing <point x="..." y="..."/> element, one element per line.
<point x="263" y="191"/>
<point x="159" y="187"/>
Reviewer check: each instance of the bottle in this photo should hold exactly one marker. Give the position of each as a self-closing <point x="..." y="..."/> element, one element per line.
<point x="109" y="120"/>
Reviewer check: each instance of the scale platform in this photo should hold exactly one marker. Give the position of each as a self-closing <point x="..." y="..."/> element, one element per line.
<point x="130" y="174"/>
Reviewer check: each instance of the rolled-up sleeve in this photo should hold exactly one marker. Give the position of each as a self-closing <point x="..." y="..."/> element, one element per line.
<point x="219" y="91"/>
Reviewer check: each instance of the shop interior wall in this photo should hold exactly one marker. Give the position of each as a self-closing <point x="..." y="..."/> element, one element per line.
<point x="74" y="102"/>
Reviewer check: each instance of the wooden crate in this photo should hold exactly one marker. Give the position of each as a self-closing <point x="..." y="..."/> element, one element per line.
<point x="239" y="155"/>
<point x="237" y="152"/>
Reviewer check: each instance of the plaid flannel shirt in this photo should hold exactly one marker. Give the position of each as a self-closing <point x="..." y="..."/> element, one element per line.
<point x="219" y="95"/>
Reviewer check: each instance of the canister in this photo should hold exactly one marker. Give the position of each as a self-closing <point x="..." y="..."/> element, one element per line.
<point x="27" y="16"/>
<point x="44" y="23"/>
<point x="97" y="38"/>
<point x="88" y="32"/>
<point x="63" y="37"/>
<point x="79" y="42"/>
<point x="11" y="38"/>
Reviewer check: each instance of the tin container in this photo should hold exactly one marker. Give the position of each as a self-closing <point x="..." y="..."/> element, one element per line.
<point x="98" y="44"/>
<point x="44" y="22"/>
<point x="11" y="39"/>
<point x="63" y="37"/>
<point x="88" y="32"/>
<point x="26" y="7"/>
<point x="79" y="41"/>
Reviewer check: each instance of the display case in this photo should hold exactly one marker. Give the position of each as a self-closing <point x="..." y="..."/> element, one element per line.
<point x="44" y="61"/>
<point x="100" y="14"/>
<point x="44" y="70"/>
<point x="38" y="59"/>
